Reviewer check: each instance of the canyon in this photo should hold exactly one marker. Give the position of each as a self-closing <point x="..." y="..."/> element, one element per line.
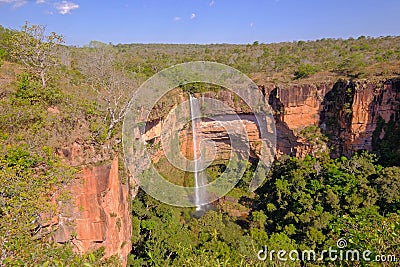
<point x="352" y="114"/>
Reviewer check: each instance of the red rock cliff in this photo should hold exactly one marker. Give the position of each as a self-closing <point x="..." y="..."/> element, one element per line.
<point x="296" y="106"/>
<point x="345" y="111"/>
<point x="98" y="212"/>
<point x="370" y="102"/>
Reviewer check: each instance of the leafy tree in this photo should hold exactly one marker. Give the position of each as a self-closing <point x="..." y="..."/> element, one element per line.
<point x="30" y="90"/>
<point x="24" y="199"/>
<point x="387" y="148"/>
<point x="108" y="78"/>
<point x="369" y="231"/>
<point x="35" y="49"/>
<point x="317" y="141"/>
<point x="388" y="186"/>
<point x="4" y="40"/>
<point x="305" y="70"/>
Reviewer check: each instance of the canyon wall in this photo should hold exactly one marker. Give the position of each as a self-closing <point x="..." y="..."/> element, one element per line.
<point x="295" y="107"/>
<point x="98" y="213"/>
<point x="363" y="105"/>
<point x="95" y="207"/>
<point x="347" y="112"/>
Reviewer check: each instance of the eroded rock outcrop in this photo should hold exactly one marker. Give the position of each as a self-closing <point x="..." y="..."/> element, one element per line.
<point x="345" y="111"/>
<point x="295" y="107"/>
<point x="215" y="132"/>
<point x="372" y="101"/>
<point x="96" y="212"/>
<point x="352" y="110"/>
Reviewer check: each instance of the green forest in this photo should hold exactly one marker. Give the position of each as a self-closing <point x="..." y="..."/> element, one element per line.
<point x="304" y="203"/>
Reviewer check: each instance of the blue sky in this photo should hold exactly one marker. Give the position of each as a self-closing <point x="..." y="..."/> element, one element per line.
<point x="205" y="21"/>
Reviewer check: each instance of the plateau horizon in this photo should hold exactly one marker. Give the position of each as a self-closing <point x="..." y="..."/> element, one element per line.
<point x="203" y="22"/>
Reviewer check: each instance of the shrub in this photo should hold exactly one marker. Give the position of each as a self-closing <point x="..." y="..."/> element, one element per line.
<point x="305" y="70"/>
<point x="30" y="89"/>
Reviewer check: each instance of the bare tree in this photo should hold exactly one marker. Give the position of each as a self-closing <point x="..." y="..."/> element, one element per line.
<point x="107" y="76"/>
<point x="35" y="49"/>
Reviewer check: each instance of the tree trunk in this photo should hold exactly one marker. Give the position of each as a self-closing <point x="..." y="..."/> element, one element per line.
<point x="42" y="74"/>
<point x="110" y="128"/>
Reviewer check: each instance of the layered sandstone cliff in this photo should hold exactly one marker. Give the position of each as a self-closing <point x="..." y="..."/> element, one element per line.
<point x="95" y="209"/>
<point x="346" y="111"/>
<point x="367" y="103"/>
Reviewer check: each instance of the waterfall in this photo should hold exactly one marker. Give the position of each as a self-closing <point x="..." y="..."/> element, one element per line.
<point x="199" y="181"/>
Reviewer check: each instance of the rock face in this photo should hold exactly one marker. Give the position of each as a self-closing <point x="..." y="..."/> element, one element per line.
<point x="351" y="112"/>
<point x="212" y="131"/>
<point x="371" y="101"/>
<point x="295" y="107"/>
<point x="298" y="105"/>
<point x="97" y="213"/>
<point x="215" y="132"/>
<point x="347" y="112"/>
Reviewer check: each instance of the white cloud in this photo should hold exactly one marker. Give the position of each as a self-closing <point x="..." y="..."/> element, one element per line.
<point x="193" y="16"/>
<point x="16" y="3"/>
<point x="212" y="3"/>
<point x="65" y="7"/>
<point x="176" y="18"/>
<point x="40" y="1"/>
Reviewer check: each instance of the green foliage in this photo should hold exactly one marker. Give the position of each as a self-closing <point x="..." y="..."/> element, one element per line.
<point x="4" y="39"/>
<point x="387" y="185"/>
<point x="304" y="197"/>
<point x="30" y="91"/>
<point x="3" y="55"/>
<point x="35" y="50"/>
<point x="165" y="239"/>
<point x="370" y="231"/>
<point x="28" y="181"/>
<point x="304" y="204"/>
<point x="387" y="146"/>
<point x="350" y="57"/>
<point x="199" y="87"/>
<point x="98" y="128"/>
<point x="353" y="64"/>
<point x="305" y="70"/>
<point x="27" y="87"/>
<point x="317" y="141"/>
